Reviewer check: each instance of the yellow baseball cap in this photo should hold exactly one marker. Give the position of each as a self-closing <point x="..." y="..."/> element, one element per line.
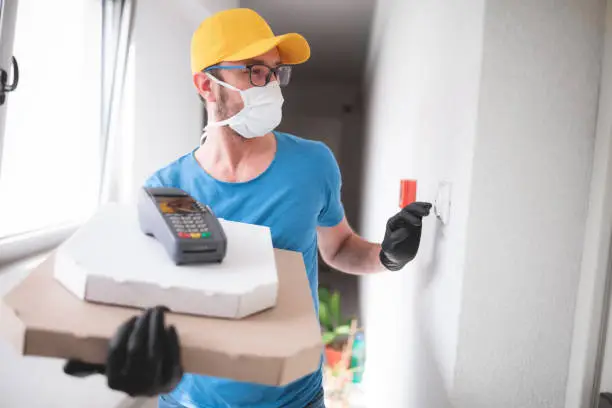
<point x="239" y="34"/>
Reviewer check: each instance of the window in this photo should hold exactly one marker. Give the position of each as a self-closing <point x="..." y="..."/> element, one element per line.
<point x="49" y="170"/>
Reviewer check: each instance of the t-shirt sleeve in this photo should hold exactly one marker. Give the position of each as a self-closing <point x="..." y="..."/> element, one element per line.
<point x="332" y="211"/>
<point x="167" y="176"/>
<point x="154" y="181"/>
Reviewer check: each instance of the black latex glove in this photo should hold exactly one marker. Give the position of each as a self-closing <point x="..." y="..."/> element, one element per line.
<point x="403" y="236"/>
<point x="143" y="357"/>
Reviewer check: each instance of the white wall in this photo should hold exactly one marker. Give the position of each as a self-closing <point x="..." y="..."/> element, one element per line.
<point x="423" y="105"/>
<point x="167" y="113"/>
<point x="597" y="251"/>
<point x="536" y="128"/>
<point x="500" y="98"/>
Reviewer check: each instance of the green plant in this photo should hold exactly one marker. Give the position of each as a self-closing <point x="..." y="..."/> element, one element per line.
<point x="330" y="317"/>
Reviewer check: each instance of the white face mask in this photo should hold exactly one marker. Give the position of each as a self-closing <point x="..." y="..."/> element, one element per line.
<point x="262" y="110"/>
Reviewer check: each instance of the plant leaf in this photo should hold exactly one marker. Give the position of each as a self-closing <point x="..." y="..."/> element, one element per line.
<point x="328" y="337"/>
<point x="343" y="330"/>
<point x="323" y="295"/>
<point x="324" y="318"/>
<point x="334" y="308"/>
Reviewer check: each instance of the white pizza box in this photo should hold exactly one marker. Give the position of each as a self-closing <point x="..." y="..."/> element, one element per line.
<point x="110" y="260"/>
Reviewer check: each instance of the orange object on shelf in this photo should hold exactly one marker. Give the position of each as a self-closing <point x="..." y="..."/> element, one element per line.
<point x="408" y="190"/>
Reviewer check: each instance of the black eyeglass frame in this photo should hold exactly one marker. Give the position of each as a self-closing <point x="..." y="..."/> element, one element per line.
<point x="276" y="71"/>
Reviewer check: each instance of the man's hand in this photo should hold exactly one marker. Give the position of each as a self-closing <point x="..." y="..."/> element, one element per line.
<point x="403" y="236"/>
<point x="143" y="357"/>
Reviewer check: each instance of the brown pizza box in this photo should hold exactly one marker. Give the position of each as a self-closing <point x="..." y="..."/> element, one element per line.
<point x="40" y="317"/>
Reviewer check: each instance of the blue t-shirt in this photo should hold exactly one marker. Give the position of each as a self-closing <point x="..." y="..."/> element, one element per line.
<point x="298" y="192"/>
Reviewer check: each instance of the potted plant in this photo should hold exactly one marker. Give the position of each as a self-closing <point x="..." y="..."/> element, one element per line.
<point x="334" y="330"/>
<point x="344" y="350"/>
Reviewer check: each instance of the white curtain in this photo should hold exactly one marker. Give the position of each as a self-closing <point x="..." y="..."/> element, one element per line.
<point x="117" y="27"/>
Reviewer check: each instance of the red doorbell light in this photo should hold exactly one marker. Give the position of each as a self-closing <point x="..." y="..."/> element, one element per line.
<point x="408" y="190"/>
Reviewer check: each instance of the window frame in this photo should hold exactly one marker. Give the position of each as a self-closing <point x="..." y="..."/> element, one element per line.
<point x="21" y="246"/>
<point x="8" y="18"/>
<point x="16" y="247"/>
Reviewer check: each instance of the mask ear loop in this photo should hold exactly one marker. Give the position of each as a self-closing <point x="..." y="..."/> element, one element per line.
<point x="220" y="82"/>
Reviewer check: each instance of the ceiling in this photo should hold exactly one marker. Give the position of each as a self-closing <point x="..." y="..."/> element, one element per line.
<point x="337" y="30"/>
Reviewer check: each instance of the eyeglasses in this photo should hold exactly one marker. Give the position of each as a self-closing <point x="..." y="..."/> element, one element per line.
<point x="260" y="74"/>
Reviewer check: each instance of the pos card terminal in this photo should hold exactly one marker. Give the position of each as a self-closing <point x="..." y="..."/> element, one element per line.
<point x="188" y="230"/>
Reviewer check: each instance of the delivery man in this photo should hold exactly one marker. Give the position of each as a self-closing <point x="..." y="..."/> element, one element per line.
<point x="248" y="172"/>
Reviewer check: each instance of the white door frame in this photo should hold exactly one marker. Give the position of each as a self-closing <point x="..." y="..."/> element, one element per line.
<point x="591" y="318"/>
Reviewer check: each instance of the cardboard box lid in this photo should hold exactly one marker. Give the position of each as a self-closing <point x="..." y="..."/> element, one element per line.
<point x="275" y="347"/>
<point x="110" y="260"/>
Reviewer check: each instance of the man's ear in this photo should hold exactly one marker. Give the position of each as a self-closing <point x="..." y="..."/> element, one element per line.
<point x="203" y="84"/>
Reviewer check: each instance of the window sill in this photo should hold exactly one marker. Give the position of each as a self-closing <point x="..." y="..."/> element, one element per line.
<point x="19" y="247"/>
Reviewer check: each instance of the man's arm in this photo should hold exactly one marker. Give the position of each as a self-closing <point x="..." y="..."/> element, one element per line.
<point x="344" y="250"/>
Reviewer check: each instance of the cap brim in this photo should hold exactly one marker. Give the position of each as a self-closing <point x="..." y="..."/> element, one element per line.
<point x="293" y="49"/>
